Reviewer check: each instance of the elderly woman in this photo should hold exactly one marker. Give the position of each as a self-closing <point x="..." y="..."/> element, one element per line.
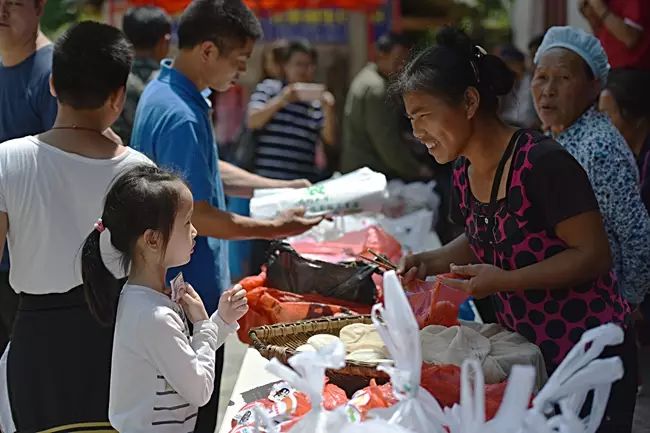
<point x="571" y="68"/>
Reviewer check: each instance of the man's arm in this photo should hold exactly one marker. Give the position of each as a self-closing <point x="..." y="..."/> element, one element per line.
<point x="238" y="182"/>
<point x="619" y="27"/>
<point x="212" y="222"/>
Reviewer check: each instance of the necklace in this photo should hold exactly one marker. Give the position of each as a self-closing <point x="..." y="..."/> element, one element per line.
<point x="77" y="128"/>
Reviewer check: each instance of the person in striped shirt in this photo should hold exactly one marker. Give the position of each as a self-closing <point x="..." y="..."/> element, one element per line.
<point x="290" y="125"/>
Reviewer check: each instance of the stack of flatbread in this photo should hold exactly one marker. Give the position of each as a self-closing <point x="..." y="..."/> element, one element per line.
<point x="362" y="344"/>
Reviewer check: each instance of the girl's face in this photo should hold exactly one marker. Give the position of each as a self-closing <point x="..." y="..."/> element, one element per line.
<point x="443" y="128"/>
<point x="181" y="242"/>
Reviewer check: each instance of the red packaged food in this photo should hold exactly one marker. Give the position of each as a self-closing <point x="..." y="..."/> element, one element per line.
<point x="372" y="397"/>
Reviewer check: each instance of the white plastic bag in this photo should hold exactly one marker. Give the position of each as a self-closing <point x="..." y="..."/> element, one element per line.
<point x="579" y="373"/>
<point x="375" y="426"/>
<point x="469" y="415"/>
<point x="361" y="190"/>
<point x="416" y="409"/>
<point x="307" y="374"/>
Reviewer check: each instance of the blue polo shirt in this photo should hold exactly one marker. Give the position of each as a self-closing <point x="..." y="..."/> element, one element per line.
<point x="172" y="127"/>
<point x="26" y="105"/>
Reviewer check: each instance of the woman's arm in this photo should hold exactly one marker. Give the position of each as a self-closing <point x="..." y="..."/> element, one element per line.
<point x="587" y="257"/>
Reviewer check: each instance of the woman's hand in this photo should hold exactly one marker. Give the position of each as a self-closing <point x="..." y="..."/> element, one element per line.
<point x="413" y="267"/>
<point x="192" y="304"/>
<point x="483" y="280"/>
<point x="233" y="304"/>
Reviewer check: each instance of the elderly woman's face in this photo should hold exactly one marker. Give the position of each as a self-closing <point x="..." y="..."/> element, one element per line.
<point x="562" y="89"/>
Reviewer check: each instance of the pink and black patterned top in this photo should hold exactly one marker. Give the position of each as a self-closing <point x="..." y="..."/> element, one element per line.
<point x="545" y="186"/>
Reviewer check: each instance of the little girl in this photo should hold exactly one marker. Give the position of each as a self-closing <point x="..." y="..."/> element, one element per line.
<point x="160" y="373"/>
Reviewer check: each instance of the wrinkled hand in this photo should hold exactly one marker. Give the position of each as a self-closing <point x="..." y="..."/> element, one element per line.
<point x="293" y="222"/>
<point x="413" y="267"/>
<point x="298" y="183"/>
<point x="233" y="304"/>
<point x="192" y="304"/>
<point x="598" y="6"/>
<point x="484" y="280"/>
<point x="111" y="135"/>
<point x="289" y="94"/>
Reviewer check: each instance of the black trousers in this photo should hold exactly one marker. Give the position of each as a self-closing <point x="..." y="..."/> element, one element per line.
<point x="619" y="415"/>
<point x="58" y="365"/>
<point x="206" y="421"/>
<point x="8" y="307"/>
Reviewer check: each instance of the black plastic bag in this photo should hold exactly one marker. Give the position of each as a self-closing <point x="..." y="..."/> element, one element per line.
<point x="288" y="271"/>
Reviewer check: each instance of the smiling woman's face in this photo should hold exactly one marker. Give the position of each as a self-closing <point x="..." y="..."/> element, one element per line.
<point x="562" y="89"/>
<point x="443" y="128"/>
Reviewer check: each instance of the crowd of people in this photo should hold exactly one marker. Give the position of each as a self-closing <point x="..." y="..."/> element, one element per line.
<point x="112" y="185"/>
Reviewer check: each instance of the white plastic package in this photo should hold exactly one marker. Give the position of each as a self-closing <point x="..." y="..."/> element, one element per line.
<point x="307" y="374"/>
<point x="416" y="409"/>
<point x="361" y="190"/>
<point x="577" y="375"/>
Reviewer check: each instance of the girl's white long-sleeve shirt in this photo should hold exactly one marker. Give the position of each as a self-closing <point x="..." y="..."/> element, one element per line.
<point x="160" y="374"/>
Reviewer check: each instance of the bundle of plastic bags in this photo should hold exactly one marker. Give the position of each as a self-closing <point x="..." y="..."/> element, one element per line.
<point x="361" y="190"/>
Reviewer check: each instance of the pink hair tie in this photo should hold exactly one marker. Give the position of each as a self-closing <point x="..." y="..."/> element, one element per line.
<point x="99" y="226"/>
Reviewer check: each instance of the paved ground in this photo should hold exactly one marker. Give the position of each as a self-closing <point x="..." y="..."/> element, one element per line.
<point x="235" y="352"/>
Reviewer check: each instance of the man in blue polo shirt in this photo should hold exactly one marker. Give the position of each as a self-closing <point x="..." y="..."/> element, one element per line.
<point x="172" y="126"/>
<point x="26" y="105"/>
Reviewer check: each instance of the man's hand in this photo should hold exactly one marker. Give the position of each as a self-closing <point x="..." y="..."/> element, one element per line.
<point x="296" y="184"/>
<point x="328" y="100"/>
<point x="292" y="223"/>
<point x="289" y="94"/>
<point x="484" y="280"/>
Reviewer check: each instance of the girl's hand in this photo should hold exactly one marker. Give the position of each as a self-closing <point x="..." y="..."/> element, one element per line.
<point x="233" y="304"/>
<point x="192" y="304"/>
<point x="484" y="280"/>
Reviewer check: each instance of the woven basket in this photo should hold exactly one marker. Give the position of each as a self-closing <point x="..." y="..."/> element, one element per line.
<point x="281" y="340"/>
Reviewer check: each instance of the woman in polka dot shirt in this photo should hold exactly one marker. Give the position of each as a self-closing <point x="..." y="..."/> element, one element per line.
<point x="534" y="243"/>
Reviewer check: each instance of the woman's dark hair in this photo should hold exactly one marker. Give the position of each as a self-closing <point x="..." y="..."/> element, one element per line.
<point x="631" y="89"/>
<point x="144" y="197"/>
<point x="90" y="61"/>
<point x="451" y="66"/>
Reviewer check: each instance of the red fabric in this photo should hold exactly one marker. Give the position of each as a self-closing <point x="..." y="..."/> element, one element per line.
<point x="637" y="11"/>
<point x="270" y="6"/>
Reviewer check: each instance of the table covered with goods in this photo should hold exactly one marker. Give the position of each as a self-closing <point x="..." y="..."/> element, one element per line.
<point x="340" y="344"/>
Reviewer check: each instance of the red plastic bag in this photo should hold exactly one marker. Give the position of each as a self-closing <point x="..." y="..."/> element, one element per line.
<point x="351" y="245"/>
<point x="443" y="382"/>
<point x="269" y="306"/>
<point x="333" y="397"/>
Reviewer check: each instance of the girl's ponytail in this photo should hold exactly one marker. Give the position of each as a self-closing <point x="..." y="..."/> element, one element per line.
<point x="101" y="288"/>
